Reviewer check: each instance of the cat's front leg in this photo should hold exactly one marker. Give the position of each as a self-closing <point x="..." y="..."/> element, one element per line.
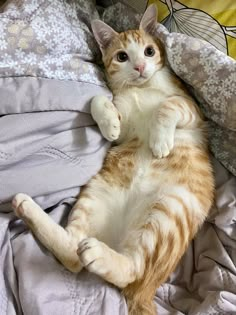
<point x="175" y="111"/>
<point x="107" y="117"/>
<point x="162" y="132"/>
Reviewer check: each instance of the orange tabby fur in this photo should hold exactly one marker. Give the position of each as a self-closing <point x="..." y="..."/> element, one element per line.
<point x="134" y="220"/>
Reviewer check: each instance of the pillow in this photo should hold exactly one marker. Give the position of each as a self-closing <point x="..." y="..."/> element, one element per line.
<point x="49" y="39"/>
<point x="49" y="57"/>
<point x="212" y="76"/>
<point x="126" y="17"/>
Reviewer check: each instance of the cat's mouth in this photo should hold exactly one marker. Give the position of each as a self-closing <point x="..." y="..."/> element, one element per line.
<point x="139" y="79"/>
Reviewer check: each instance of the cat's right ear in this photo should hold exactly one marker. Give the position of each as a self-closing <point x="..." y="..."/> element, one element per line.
<point x="149" y="20"/>
<point x="103" y="33"/>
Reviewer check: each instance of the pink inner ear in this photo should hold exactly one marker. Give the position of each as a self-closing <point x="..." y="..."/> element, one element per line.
<point x="149" y="19"/>
<point x="103" y="33"/>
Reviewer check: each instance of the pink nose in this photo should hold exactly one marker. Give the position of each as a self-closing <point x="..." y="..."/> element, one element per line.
<point x="139" y="68"/>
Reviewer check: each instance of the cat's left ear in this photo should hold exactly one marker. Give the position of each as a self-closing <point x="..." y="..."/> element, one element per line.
<point x="149" y="20"/>
<point x="103" y="34"/>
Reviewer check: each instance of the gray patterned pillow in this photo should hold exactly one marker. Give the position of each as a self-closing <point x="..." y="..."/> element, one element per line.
<point x="53" y="39"/>
<point x="48" y="54"/>
<point x="212" y="75"/>
<point x="49" y="39"/>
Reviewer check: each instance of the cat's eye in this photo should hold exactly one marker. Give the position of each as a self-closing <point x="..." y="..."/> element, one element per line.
<point x="122" y="56"/>
<point x="149" y="51"/>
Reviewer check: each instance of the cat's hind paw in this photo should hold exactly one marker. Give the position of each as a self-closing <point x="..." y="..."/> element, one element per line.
<point x="91" y="254"/>
<point x="21" y="203"/>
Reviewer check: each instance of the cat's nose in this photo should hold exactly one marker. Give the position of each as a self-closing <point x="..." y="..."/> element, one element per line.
<point x="140" y="68"/>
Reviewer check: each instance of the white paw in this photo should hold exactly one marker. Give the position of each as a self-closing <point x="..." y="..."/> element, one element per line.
<point x="21" y="204"/>
<point x="91" y="254"/>
<point x="107" y="117"/>
<point x="162" y="141"/>
<point x="110" y="126"/>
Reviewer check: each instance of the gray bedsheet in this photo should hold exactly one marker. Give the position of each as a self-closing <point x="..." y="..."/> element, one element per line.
<point x="49" y="148"/>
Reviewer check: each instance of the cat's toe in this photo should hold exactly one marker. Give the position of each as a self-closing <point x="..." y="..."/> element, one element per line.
<point x="19" y="204"/>
<point x="161" y="150"/>
<point x="91" y="255"/>
<point x="89" y="250"/>
<point x="162" y="142"/>
<point x="110" y="128"/>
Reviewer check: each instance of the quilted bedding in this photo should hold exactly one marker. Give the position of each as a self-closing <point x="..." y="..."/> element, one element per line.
<point x="49" y="148"/>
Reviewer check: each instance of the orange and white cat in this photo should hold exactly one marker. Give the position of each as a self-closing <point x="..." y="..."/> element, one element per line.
<point x="134" y="220"/>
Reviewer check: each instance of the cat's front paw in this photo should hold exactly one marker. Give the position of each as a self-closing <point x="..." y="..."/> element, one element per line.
<point x="21" y="204"/>
<point x="107" y="117"/>
<point x="162" y="141"/>
<point x="91" y="254"/>
<point x="110" y="126"/>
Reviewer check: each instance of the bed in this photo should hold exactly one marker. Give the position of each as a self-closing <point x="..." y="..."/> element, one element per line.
<point x="50" y="68"/>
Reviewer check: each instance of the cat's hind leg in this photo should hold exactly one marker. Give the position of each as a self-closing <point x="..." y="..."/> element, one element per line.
<point x="147" y="254"/>
<point x="62" y="243"/>
<point x="99" y="258"/>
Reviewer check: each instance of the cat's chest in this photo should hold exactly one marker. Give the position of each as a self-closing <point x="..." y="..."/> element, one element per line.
<point x="137" y="99"/>
<point x="137" y="107"/>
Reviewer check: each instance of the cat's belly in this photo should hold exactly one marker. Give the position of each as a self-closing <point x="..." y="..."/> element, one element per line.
<point x="130" y="207"/>
<point x="150" y="180"/>
<point x="131" y="204"/>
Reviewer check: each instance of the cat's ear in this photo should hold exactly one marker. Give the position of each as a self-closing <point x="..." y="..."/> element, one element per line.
<point x="103" y="33"/>
<point x="149" y="19"/>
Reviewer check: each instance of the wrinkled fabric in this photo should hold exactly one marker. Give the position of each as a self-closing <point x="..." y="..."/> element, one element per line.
<point x="204" y="281"/>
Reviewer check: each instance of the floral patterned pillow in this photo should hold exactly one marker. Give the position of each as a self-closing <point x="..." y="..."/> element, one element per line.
<point x="53" y="39"/>
<point x="212" y="76"/>
<point x="49" y="39"/>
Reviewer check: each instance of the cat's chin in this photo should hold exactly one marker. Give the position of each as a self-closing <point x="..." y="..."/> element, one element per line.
<point x="139" y="81"/>
<point x="131" y="82"/>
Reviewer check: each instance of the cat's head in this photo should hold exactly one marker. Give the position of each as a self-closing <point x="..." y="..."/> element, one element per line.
<point x="131" y="57"/>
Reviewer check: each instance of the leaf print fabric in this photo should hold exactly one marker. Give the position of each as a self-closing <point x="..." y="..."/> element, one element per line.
<point x="212" y="21"/>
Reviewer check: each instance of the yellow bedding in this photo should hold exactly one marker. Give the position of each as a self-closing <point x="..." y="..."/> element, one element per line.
<point x="214" y="21"/>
